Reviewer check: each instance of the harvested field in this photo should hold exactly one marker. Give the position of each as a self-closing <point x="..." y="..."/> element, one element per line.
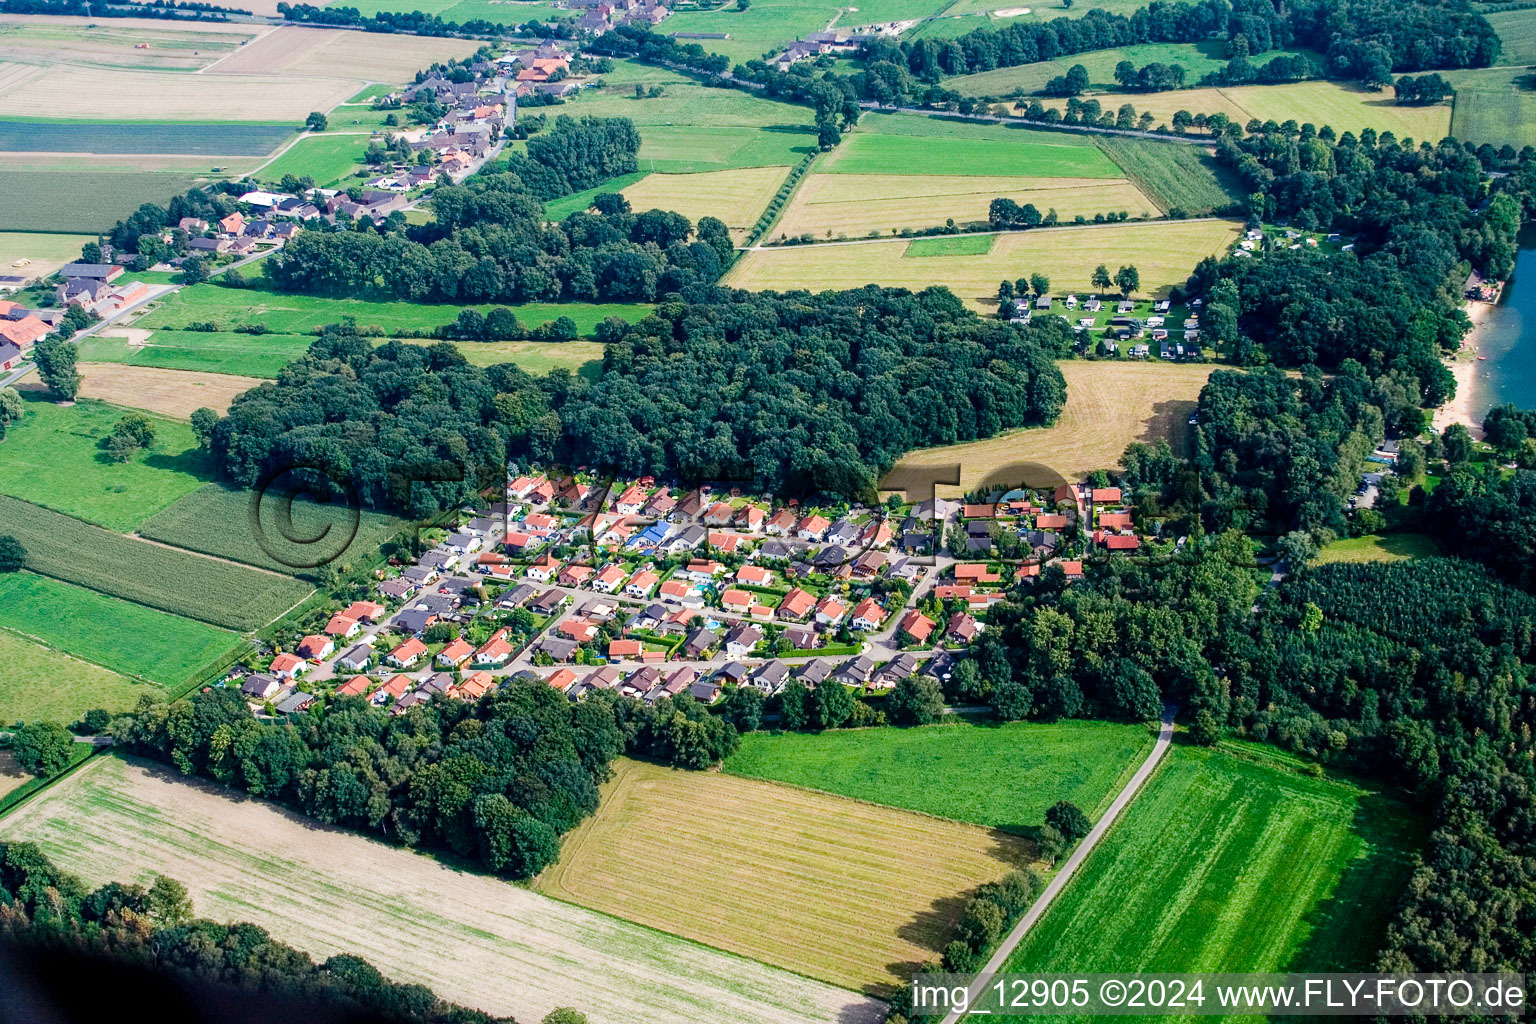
<point x="1345" y="108"/>
<point x="736" y="196"/>
<point x="1109" y="405"/>
<point x="852" y="893"/>
<point x="116" y="42"/>
<point x="857" y="204"/>
<point x="294" y="50"/>
<point x="1163" y="252"/>
<point x="45" y="252"/>
<point x="173" y="96"/>
<point x="216" y="592"/>
<point x="167" y="392"/>
<point x="471" y="938"/>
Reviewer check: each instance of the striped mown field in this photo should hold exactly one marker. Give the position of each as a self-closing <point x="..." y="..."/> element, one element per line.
<point x="1231" y="861"/>
<point x="848" y="892"/>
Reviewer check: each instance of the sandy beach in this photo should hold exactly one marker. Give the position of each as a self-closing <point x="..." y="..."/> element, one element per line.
<point x="1463" y="365"/>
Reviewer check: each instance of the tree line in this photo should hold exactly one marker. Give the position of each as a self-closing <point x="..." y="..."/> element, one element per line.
<point x="496" y="782"/>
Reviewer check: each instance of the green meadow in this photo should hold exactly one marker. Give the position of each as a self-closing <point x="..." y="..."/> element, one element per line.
<point x="52" y="457"/>
<point x="127" y="638"/>
<point x="1001" y="776"/>
<point x="907" y="144"/>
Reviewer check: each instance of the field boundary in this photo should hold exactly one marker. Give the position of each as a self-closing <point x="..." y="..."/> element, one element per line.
<point x="887" y="239"/>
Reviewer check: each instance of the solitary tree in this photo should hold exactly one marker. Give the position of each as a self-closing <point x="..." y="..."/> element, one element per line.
<point x="55" y="359"/>
<point x="13" y="557"/>
<point x="169" y="904"/>
<point x="1039" y="283"/>
<point x="1068" y="819"/>
<point x="316" y="121"/>
<point x="1128" y="279"/>
<point x="1101" y="278"/>
<point x="42" y="748"/>
<point x="915" y="700"/>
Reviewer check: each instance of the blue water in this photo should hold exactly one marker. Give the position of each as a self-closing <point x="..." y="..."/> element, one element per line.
<point x="1508" y="340"/>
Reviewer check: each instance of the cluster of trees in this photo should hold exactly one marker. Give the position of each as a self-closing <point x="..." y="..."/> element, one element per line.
<point x="798" y="394"/>
<point x="1153" y="77"/>
<point x="490" y="242"/>
<point x="1281" y="68"/>
<point x="153" y="928"/>
<point x="1422" y="90"/>
<point x="141" y="231"/>
<point x="1362" y="39"/>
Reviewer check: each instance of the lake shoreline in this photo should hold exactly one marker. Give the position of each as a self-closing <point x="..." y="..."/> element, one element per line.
<point x="1464" y="368"/>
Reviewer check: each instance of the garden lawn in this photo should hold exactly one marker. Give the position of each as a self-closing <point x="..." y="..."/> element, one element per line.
<point x="51" y="457"/>
<point x="220" y="593"/>
<point x="292" y="313"/>
<point x="125" y="638"/>
<point x="1001" y="776"/>
<point x="327" y="158"/>
<point x="1230" y="864"/>
<point x="908" y="144"/>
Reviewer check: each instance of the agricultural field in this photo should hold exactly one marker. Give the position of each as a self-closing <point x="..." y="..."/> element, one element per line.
<point x="851" y="893"/>
<point x="1174" y="175"/>
<point x="45" y="252"/>
<point x="51" y="458"/>
<point x="1517" y="35"/>
<point x="116" y="42"/>
<point x="1163" y="252"/>
<point x="130" y="641"/>
<point x="737" y="197"/>
<point x="216" y="592"/>
<point x="944" y="245"/>
<point x="295" y="51"/>
<point x="40" y="684"/>
<point x="584" y="358"/>
<point x="172" y="393"/>
<point x="855" y="205"/>
<point x="216" y="520"/>
<point x="1226" y="863"/>
<point x="286" y="313"/>
<point x="1494" y="105"/>
<point x="908" y="144"/>
<point x="1391" y="547"/>
<point x="1109" y="405"/>
<point x="473" y="939"/>
<point x="29" y="136"/>
<point x="999" y="776"/>
<point x="1344" y="107"/>
<point x="67" y="200"/>
<point x="176" y="96"/>
<point x="326" y="158"/>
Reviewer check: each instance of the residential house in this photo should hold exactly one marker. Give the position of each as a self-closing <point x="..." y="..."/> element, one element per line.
<point x="407" y="653"/>
<point x="740" y="641"/>
<point x="700" y="641"/>
<point x="812" y="528"/>
<point x="341" y="625"/>
<point x="495" y="651"/>
<point x="899" y="668"/>
<point x="754" y="576"/>
<point x="830" y="611"/>
<point x="917" y="625"/>
<point x="456" y="653"/>
<point x="260" y="686"/>
<point x="625" y="649"/>
<point x="738" y="601"/>
<point x="962" y="628"/>
<point x="770" y="677"/>
<point x="640" y="584"/>
<point x="796" y="605"/>
<point x="316" y="647"/>
<point x="355" y="659"/>
<point x="868" y="615"/>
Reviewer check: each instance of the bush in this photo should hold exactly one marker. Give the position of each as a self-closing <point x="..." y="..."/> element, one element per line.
<point x="42" y="749"/>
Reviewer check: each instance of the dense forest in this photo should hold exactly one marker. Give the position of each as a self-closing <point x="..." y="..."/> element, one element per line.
<point x="48" y="909"/>
<point x="496" y="782"/>
<point x="798" y="394"/>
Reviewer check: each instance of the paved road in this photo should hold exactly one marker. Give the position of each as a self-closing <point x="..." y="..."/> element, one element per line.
<point x="1074" y="861"/>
